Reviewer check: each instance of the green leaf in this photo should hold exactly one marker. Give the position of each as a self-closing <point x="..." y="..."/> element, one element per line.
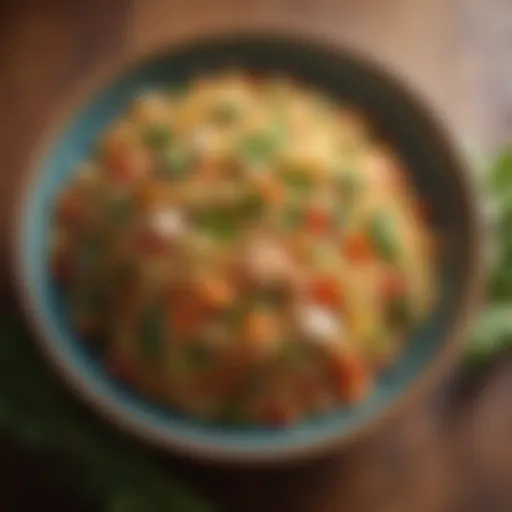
<point x="198" y="357"/>
<point x="219" y="223"/>
<point x="152" y="332"/>
<point x="298" y="181"/>
<point x="501" y="173"/>
<point x="226" y="113"/>
<point x="350" y="183"/>
<point x="156" y="136"/>
<point x="177" y="162"/>
<point x="120" y="208"/>
<point x="384" y="237"/>
<point x="493" y="332"/>
<point x="260" y="147"/>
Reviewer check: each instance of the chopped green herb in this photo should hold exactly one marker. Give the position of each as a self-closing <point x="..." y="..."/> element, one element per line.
<point x="156" y="136"/>
<point x="400" y="312"/>
<point x="198" y="357"/>
<point x="226" y="113"/>
<point x="235" y="314"/>
<point x="350" y="184"/>
<point x="384" y="237"/>
<point x="251" y="205"/>
<point x="295" y="354"/>
<point x="272" y="295"/>
<point x="120" y="208"/>
<point x="293" y="217"/>
<point x="178" y="90"/>
<point x="298" y="181"/>
<point x="260" y="147"/>
<point x="219" y="223"/>
<point x="177" y="162"/>
<point x="501" y="175"/>
<point x="152" y="332"/>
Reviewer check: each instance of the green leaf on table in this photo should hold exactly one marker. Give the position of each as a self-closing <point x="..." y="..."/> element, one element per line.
<point x="501" y="173"/>
<point x="492" y="333"/>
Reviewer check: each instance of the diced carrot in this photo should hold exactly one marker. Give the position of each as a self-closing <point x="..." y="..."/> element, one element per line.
<point x="128" y="165"/>
<point x="260" y="328"/>
<point x="352" y="377"/>
<point x="327" y="291"/>
<point x="215" y="292"/>
<point x="318" y="220"/>
<point x="358" y="248"/>
<point x="208" y="171"/>
<point x="271" y="189"/>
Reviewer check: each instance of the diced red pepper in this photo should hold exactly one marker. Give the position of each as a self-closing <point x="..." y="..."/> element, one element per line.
<point x="393" y="284"/>
<point x="359" y="248"/>
<point x="127" y="166"/>
<point x="327" y="291"/>
<point x="352" y="377"/>
<point x="318" y="220"/>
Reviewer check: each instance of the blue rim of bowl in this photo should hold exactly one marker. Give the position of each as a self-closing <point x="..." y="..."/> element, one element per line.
<point x="202" y="440"/>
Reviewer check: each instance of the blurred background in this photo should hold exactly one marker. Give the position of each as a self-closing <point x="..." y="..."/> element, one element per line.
<point x="452" y="453"/>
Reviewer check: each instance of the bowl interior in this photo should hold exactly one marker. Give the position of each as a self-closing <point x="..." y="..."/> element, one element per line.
<point x="396" y="114"/>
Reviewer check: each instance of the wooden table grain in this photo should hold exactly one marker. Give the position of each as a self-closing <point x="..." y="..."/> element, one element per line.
<point x="449" y="454"/>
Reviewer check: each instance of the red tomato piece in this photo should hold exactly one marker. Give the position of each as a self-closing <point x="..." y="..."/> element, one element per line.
<point x="318" y="220"/>
<point x="352" y="377"/>
<point x="393" y="284"/>
<point x="127" y="166"/>
<point x="327" y="291"/>
<point x="359" y="248"/>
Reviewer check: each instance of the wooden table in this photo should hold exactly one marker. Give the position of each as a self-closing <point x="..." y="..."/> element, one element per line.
<point x="452" y="453"/>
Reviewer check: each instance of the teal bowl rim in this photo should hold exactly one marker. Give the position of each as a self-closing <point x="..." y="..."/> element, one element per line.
<point x="223" y="449"/>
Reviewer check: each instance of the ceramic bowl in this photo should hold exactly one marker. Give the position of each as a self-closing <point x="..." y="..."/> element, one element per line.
<point x="403" y="120"/>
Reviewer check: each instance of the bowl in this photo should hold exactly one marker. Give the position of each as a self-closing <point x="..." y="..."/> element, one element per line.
<point x="408" y="126"/>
